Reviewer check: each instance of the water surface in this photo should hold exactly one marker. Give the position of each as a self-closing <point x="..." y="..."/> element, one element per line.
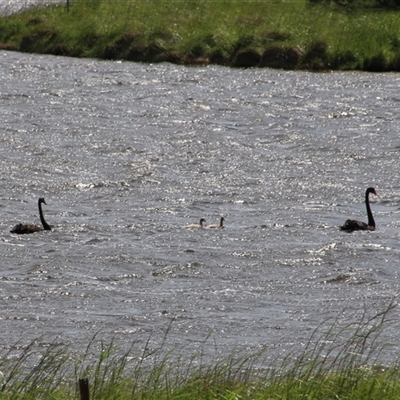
<point x="128" y="154"/>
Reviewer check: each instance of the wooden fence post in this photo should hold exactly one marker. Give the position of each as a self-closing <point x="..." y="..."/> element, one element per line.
<point x="84" y="389"/>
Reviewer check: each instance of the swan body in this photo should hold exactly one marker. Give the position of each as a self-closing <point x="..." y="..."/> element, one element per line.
<point x="217" y="226"/>
<point x="352" y="225"/>
<point x="22" y="229"/>
<point x="200" y="225"/>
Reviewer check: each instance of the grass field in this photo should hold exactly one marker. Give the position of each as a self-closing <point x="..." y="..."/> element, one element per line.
<point x="275" y="33"/>
<point x="340" y="363"/>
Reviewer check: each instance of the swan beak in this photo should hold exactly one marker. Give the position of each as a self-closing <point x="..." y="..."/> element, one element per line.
<point x="376" y="193"/>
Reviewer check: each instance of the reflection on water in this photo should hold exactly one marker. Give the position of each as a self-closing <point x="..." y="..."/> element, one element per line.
<point x="127" y="155"/>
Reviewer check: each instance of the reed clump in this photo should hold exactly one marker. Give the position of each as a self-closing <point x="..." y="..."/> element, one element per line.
<point x="344" y="362"/>
<point x="303" y="34"/>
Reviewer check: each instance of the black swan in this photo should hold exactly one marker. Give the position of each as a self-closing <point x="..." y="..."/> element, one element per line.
<point x="216" y="226"/>
<point x="351" y="225"/>
<point x="30" y="228"/>
<point x="200" y="225"/>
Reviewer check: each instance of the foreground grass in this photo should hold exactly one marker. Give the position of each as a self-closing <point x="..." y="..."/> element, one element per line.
<point x="274" y="33"/>
<point x="342" y="363"/>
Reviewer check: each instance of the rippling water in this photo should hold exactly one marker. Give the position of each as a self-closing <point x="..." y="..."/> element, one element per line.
<point x="10" y="6"/>
<point x="128" y="154"/>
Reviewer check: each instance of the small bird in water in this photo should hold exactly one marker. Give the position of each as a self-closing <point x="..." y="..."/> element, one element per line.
<point x="22" y="229"/>
<point x="217" y="226"/>
<point x="200" y="225"/>
<point x="352" y="225"/>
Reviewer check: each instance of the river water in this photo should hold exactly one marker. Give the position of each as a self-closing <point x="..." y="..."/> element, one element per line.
<point x="126" y="155"/>
<point x="10" y="6"/>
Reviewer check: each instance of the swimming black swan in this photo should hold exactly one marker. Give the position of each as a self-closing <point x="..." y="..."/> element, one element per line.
<point x="30" y="228"/>
<point x="351" y="225"/>
<point x="200" y="225"/>
<point x="216" y="226"/>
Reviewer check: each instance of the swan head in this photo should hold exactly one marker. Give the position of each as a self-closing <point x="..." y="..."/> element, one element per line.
<point x="372" y="190"/>
<point x="42" y="200"/>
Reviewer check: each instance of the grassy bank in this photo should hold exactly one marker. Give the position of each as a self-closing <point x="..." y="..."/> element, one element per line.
<point x="341" y="363"/>
<point x="273" y="33"/>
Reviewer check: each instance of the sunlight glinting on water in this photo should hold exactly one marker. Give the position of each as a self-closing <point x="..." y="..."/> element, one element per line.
<point x="127" y="155"/>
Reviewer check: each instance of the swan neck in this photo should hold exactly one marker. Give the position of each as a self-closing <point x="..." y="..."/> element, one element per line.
<point x="371" y="221"/>
<point x="46" y="226"/>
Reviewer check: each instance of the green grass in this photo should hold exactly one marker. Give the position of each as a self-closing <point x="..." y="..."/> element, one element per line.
<point x="281" y="33"/>
<point x="342" y="363"/>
